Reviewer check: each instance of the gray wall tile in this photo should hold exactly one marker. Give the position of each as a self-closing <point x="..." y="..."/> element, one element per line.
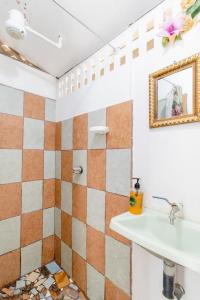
<point x="50" y="110"/>
<point x="32" y="193"/>
<point x="49" y="165"/>
<point x="118" y="171"/>
<point x="58" y="164"/>
<point x="80" y="159"/>
<point x="11" y="101"/>
<point x="67" y="134"/>
<point x="79" y="237"/>
<point x="33" y="134"/>
<point x="96" y="209"/>
<point x="11" y="166"/>
<point x="95" y="284"/>
<point x="9" y="234"/>
<point x="48" y="222"/>
<point x="57" y="221"/>
<point x="118" y="264"/>
<point x="31" y="257"/>
<point x="66" y="197"/>
<point x="66" y="258"/>
<point x="96" y="118"/>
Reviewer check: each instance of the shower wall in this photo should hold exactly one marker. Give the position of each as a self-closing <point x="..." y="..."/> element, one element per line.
<point x="27" y="182"/>
<point x="97" y="258"/>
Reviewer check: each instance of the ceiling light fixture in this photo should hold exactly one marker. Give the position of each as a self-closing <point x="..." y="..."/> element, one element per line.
<point x="17" y="28"/>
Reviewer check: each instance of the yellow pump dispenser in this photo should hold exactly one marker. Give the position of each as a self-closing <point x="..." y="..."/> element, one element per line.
<point x="136" y="199"/>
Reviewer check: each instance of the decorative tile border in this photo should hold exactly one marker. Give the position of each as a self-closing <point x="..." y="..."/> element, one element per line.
<point x="150" y="25"/>
<point x="150" y="44"/>
<point x="136" y="53"/>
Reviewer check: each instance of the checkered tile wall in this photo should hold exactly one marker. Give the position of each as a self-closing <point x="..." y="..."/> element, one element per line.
<point x="46" y="211"/>
<point x="97" y="258"/>
<point x="27" y="182"/>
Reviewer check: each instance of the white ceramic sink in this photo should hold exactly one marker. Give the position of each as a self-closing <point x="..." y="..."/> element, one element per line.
<point x="179" y="243"/>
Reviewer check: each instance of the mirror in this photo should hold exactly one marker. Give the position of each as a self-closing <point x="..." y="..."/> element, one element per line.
<point x="174" y="93"/>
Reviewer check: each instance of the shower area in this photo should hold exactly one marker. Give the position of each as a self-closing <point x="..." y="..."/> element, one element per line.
<point x="53" y="220"/>
<point x="27" y="183"/>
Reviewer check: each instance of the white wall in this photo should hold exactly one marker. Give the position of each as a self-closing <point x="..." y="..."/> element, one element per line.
<point x="109" y="90"/>
<point x="167" y="159"/>
<point x="23" y="77"/>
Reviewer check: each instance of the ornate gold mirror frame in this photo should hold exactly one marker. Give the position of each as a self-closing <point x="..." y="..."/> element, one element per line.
<point x="194" y="116"/>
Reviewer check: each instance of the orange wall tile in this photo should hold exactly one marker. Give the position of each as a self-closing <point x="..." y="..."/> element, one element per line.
<point x="79" y="270"/>
<point x="79" y="205"/>
<point x="96" y="249"/>
<point x="31" y="227"/>
<point x="48" y="249"/>
<point x="119" y="121"/>
<point x="66" y="165"/>
<point x="57" y="193"/>
<point x="11" y="132"/>
<point x="115" y="205"/>
<point x="57" y="249"/>
<point x="114" y="293"/>
<point x="66" y="228"/>
<point x="10" y="267"/>
<point x="33" y="165"/>
<point x="49" y="193"/>
<point x="97" y="169"/>
<point x="80" y="132"/>
<point x="58" y="136"/>
<point x="49" y="135"/>
<point x="34" y="106"/>
<point x="10" y="200"/>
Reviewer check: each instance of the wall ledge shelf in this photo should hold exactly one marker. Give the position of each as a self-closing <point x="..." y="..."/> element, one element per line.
<point x="99" y="129"/>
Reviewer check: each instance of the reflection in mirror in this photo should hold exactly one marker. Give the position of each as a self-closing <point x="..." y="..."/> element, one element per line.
<point x="175" y="94"/>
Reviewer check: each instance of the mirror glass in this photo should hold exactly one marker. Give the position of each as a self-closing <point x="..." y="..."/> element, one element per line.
<point x="175" y="94"/>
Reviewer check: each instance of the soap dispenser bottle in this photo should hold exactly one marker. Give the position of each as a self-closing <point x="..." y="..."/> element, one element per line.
<point x="136" y="198"/>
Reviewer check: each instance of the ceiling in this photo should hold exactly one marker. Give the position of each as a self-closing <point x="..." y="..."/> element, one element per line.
<point x="107" y="18"/>
<point x="5" y="50"/>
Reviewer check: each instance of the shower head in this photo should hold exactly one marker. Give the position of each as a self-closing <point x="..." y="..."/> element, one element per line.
<point x="17" y="28"/>
<point x="15" y="25"/>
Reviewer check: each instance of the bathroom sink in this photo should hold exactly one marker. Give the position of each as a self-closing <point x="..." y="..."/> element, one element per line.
<point x="179" y="243"/>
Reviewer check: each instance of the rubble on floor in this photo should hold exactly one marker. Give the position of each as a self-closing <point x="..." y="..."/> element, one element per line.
<point x="49" y="282"/>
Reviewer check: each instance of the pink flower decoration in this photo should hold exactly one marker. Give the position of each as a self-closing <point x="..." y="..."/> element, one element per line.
<point x="172" y="28"/>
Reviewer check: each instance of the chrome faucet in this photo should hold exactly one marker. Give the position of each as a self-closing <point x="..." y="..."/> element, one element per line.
<point x="175" y="208"/>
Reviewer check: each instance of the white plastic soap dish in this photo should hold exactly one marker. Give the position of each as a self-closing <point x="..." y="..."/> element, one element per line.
<point x="99" y="129"/>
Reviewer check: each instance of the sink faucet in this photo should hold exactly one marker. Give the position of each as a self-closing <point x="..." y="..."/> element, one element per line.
<point x="175" y="208"/>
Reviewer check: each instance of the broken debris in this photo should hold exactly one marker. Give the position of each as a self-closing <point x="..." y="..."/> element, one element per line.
<point x="62" y="280"/>
<point x="53" y="267"/>
<point x="49" y="282"/>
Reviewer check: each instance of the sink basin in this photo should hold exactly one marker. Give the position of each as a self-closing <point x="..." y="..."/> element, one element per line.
<point x="179" y="243"/>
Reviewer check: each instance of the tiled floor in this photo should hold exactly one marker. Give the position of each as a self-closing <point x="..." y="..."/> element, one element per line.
<point x="49" y="282"/>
